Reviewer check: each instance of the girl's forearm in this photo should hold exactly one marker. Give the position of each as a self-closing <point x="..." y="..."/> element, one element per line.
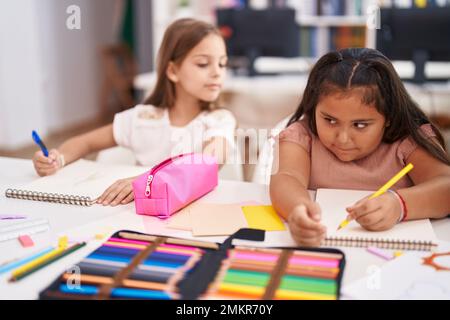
<point x="80" y="146"/>
<point x="430" y="199"/>
<point x="286" y="192"/>
<point x="74" y="149"/>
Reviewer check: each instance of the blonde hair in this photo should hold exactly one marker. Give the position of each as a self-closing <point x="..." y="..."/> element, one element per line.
<point x="179" y="39"/>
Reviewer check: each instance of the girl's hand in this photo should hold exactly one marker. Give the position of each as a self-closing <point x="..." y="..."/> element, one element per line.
<point x="377" y="214"/>
<point x="120" y="192"/>
<point x="305" y="226"/>
<point x="46" y="166"/>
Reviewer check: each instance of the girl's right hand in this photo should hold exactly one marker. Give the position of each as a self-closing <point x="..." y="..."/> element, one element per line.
<point x="304" y="225"/>
<point x="46" y="166"/>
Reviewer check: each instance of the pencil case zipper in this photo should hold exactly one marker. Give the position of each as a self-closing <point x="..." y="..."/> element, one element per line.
<point x="155" y="169"/>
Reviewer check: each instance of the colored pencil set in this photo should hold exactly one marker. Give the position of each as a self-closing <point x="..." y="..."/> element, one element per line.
<point x="129" y="269"/>
<point x="251" y="273"/>
<point x="131" y="265"/>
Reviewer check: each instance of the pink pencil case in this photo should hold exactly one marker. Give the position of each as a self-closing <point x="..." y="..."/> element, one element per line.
<point x="174" y="183"/>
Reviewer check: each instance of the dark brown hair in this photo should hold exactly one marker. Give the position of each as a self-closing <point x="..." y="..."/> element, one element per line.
<point x="179" y="39"/>
<point x="373" y="73"/>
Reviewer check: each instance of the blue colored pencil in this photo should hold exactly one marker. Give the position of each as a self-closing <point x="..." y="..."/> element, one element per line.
<point x="139" y="294"/>
<point x="117" y="292"/>
<point x="17" y="263"/>
<point x="119" y="251"/>
<point x="163" y="256"/>
<point x="164" y="264"/>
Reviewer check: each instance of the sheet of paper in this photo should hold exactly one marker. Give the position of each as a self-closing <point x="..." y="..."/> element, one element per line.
<point x="333" y="203"/>
<point x="414" y="275"/>
<point x="263" y="217"/>
<point x="83" y="178"/>
<point x="216" y="219"/>
<point x="181" y="220"/>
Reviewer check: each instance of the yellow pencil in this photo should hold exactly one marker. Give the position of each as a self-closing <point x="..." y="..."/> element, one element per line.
<point x="36" y="262"/>
<point x="40" y="263"/>
<point x="382" y="190"/>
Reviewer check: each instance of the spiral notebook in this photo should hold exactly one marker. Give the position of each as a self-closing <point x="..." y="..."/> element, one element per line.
<point x="79" y="183"/>
<point x="408" y="235"/>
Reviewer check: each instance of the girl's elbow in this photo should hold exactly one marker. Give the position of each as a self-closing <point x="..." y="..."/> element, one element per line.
<point x="273" y="188"/>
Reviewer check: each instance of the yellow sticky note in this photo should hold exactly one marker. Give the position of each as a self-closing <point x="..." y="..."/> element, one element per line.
<point x="99" y="236"/>
<point x="63" y="241"/>
<point x="263" y="217"/>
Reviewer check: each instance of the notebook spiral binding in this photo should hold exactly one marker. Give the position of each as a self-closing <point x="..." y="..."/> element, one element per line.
<point x="380" y="243"/>
<point x="49" y="197"/>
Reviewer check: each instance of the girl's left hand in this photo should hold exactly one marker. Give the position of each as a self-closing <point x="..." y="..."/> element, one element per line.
<point x="120" y="192"/>
<point x="377" y="214"/>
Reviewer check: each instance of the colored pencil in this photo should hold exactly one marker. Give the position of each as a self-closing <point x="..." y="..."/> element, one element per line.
<point x="165" y="256"/>
<point x="308" y="284"/>
<point x="152" y="276"/>
<point x="120" y="251"/>
<point x="192" y="243"/>
<point x="143" y="243"/>
<point x="124" y="245"/>
<point x="243" y="290"/>
<point x="157" y="268"/>
<point x="259" y="279"/>
<point x="178" y="251"/>
<point x="139" y="294"/>
<point x="251" y="267"/>
<point x="117" y="292"/>
<point x="100" y="280"/>
<point x="58" y="254"/>
<point x="109" y="257"/>
<point x="318" y="255"/>
<point x="105" y="262"/>
<point x="37" y="261"/>
<point x="99" y="270"/>
<point x="297" y="295"/>
<point x="255" y="257"/>
<point x="21" y="261"/>
<point x="382" y="190"/>
<point x="314" y="262"/>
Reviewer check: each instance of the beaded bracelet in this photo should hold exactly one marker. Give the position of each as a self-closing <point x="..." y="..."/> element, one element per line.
<point x="402" y="206"/>
<point x="405" y="208"/>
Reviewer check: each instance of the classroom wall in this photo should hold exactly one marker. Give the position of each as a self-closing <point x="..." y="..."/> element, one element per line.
<point x="21" y="96"/>
<point x="50" y="75"/>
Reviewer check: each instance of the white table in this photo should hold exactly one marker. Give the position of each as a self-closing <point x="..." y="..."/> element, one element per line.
<point x="77" y="221"/>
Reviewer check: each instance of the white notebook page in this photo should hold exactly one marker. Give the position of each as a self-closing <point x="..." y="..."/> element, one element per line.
<point x="333" y="203"/>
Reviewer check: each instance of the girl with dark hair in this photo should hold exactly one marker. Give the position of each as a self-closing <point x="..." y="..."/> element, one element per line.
<point x="178" y="117"/>
<point x="356" y="127"/>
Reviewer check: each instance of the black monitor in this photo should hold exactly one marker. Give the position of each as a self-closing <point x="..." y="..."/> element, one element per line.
<point x="415" y="34"/>
<point x="253" y="33"/>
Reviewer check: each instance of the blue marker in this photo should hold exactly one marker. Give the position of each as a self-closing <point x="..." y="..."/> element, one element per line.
<point x="39" y="142"/>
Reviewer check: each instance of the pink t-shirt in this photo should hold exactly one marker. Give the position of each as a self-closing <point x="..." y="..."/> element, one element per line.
<point x="368" y="173"/>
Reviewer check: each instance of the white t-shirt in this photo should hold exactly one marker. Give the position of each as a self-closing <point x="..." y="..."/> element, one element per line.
<point x="146" y="130"/>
